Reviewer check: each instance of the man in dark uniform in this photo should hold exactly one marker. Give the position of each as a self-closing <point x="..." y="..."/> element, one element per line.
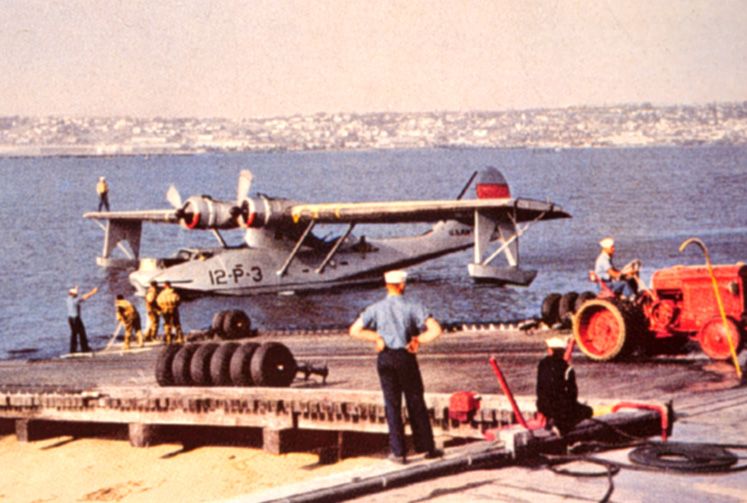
<point x="77" y="329"/>
<point x="397" y="327"/>
<point x="557" y="394"/>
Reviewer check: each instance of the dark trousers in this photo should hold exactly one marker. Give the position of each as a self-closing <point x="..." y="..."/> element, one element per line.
<point x="399" y="374"/>
<point x="104" y="201"/>
<point x="77" y="331"/>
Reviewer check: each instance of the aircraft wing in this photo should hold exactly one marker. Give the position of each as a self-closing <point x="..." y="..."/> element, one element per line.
<point x="520" y="210"/>
<point x="154" y="216"/>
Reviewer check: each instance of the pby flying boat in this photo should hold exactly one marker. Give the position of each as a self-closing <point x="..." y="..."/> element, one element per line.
<point x="281" y="253"/>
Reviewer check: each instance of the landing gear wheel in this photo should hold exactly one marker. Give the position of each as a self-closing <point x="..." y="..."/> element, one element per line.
<point x="240" y="368"/>
<point x="164" y="376"/>
<point x="605" y="330"/>
<point x="236" y="325"/>
<point x="181" y="365"/>
<point x="273" y="365"/>
<point x="714" y="341"/>
<point x="566" y="307"/>
<point x="220" y="364"/>
<point x="550" y="309"/>
<point x="216" y="327"/>
<point x="199" y="368"/>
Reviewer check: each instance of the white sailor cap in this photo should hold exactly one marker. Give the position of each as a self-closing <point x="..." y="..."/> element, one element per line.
<point x="395" y="277"/>
<point x="557" y="342"/>
<point x="607" y="243"/>
<point x="73" y="290"/>
<point x="101" y="178"/>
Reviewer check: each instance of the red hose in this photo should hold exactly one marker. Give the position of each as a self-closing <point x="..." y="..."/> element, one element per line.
<point x="661" y="409"/>
<point x="507" y="392"/>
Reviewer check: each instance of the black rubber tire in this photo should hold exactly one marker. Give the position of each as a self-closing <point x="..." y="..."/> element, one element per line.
<point x="236" y="325"/>
<point x="583" y="297"/>
<point x="181" y="365"/>
<point x="549" y="312"/>
<point x="216" y="327"/>
<point x="199" y="368"/>
<point x="164" y="376"/>
<point x="609" y="329"/>
<point x="566" y="307"/>
<point x="220" y="364"/>
<point x="273" y="365"/>
<point x="241" y="370"/>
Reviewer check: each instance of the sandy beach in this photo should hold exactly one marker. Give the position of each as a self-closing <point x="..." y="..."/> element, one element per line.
<point x="87" y="469"/>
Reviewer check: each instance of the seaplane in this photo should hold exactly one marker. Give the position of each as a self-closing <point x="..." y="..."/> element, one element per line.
<point x="281" y="253"/>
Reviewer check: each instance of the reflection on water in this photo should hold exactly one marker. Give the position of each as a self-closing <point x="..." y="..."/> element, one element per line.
<point x="649" y="199"/>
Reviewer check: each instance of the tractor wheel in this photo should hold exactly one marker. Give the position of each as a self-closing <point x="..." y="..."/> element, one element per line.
<point x="236" y="325"/>
<point x="216" y="327"/>
<point x="550" y="309"/>
<point x="181" y="365"/>
<point x="273" y="365"/>
<point x="583" y="297"/>
<point x="714" y="341"/>
<point x="240" y="368"/>
<point x="199" y="369"/>
<point x="606" y="329"/>
<point x="566" y="307"/>
<point x="220" y="364"/>
<point x="164" y="376"/>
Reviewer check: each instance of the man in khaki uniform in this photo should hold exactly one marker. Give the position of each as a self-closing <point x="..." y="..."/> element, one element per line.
<point x="130" y="318"/>
<point x="102" y="189"/>
<point x="168" y="303"/>
<point x="151" y="309"/>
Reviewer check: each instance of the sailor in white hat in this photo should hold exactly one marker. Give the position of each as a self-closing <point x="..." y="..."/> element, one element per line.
<point x="557" y="393"/>
<point x="397" y="326"/>
<point x="77" y="329"/>
<point x="606" y="272"/>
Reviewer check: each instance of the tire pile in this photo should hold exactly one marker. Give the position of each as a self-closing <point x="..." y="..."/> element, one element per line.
<point x="558" y="309"/>
<point x="227" y="362"/>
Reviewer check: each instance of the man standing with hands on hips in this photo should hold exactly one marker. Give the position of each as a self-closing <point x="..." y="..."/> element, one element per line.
<point x="397" y="327"/>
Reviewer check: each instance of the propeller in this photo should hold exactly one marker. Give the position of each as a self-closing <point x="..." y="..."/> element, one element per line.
<point x="241" y="210"/>
<point x="173" y="197"/>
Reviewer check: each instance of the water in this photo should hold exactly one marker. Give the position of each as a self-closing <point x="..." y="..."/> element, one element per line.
<point x="649" y="199"/>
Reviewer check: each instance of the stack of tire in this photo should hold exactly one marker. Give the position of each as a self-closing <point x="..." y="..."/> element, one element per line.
<point x="558" y="309"/>
<point x="226" y="363"/>
<point x="232" y="324"/>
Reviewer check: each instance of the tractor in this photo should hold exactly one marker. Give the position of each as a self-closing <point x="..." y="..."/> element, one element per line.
<point x="680" y="306"/>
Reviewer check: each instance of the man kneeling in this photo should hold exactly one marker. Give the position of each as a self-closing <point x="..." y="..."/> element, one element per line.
<point x="557" y="394"/>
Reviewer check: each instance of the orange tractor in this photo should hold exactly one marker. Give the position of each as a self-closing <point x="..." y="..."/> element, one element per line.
<point x="680" y="306"/>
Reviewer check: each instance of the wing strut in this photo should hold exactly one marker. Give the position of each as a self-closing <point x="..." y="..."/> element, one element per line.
<point x="281" y="272"/>
<point x="334" y="249"/>
<point x="114" y="233"/>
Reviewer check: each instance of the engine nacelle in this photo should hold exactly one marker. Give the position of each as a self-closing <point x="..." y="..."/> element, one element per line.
<point x="202" y="212"/>
<point x="257" y="212"/>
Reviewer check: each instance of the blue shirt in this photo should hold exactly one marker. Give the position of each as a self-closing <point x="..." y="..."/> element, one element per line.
<point x="397" y="320"/>
<point x="73" y="306"/>
<point x="602" y="265"/>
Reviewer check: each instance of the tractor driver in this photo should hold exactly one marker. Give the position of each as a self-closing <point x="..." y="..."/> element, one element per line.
<point x="616" y="280"/>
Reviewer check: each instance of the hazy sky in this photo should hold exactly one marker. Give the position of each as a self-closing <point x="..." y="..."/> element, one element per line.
<point x="266" y="58"/>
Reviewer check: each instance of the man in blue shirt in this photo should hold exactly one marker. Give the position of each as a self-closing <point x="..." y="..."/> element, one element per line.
<point x="397" y="327"/>
<point x="77" y="329"/>
<point x="617" y="281"/>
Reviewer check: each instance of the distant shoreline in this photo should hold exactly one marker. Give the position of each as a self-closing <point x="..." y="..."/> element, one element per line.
<point x="623" y="126"/>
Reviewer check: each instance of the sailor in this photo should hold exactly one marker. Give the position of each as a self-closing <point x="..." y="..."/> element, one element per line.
<point x="130" y="318"/>
<point x="102" y="189"/>
<point x="151" y="309"/>
<point x="557" y="393"/>
<point x="168" y="303"/>
<point x="77" y="329"/>
<point x="397" y="327"/>
<point x="617" y="281"/>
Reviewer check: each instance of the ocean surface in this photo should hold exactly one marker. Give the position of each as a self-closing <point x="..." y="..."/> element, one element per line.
<point x="649" y="199"/>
